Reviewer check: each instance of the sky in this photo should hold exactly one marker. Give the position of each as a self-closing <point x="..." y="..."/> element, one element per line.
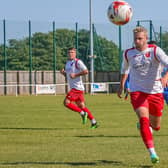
<point x="77" y="10"/>
<point x="67" y="12"/>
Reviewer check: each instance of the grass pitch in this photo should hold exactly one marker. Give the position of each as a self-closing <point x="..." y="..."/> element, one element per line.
<point x="39" y="132"/>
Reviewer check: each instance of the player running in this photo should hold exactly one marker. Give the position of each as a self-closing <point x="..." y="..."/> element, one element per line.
<point x="144" y="63"/>
<point x="74" y="70"/>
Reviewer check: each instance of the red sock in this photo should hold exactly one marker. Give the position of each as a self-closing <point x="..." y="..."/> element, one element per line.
<point x="155" y="128"/>
<point x="73" y="107"/>
<point x="146" y="133"/>
<point x="90" y="116"/>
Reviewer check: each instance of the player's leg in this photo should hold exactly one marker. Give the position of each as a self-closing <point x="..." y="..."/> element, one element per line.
<point x="143" y="115"/>
<point x="84" y="116"/>
<point x="156" y="104"/>
<point x="140" y="104"/>
<point x="81" y="104"/>
<point x="146" y="133"/>
<point x="155" y="122"/>
<point x="75" y="108"/>
<point x="68" y="103"/>
<point x="72" y="96"/>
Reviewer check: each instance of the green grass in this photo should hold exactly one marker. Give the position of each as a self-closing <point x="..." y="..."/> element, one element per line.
<point x="39" y="132"/>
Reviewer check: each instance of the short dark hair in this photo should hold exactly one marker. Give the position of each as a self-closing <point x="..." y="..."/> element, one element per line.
<point x="72" y="48"/>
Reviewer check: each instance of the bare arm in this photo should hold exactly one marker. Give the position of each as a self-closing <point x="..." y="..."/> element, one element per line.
<point x="164" y="80"/>
<point x="62" y="71"/>
<point x="122" y="82"/>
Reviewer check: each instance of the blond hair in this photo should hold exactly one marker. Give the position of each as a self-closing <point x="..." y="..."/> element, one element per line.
<point x="140" y="29"/>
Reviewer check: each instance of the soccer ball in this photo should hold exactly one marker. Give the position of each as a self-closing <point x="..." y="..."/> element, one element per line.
<point x="119" y="12"/>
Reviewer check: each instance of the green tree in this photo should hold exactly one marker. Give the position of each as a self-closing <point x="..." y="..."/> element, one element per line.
<point x="42" y="51"/>
<point x="165" y="42"/>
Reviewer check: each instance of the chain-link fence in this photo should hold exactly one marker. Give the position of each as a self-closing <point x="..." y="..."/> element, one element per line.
<point x="34" y="46"/>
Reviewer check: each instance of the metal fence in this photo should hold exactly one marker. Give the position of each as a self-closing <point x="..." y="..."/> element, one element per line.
<point x="18" y="30"/>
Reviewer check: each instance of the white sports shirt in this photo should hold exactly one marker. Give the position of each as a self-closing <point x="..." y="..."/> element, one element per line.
<point x="145" y="68"/>
<point x="75" y="66"/>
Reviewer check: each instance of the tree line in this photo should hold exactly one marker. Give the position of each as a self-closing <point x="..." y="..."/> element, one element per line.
<point x="106" y="52"/>
<point x="17" y="51"/>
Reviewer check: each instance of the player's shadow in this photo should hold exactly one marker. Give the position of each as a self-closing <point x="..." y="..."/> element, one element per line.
<point x="35" y="129"/>
<point x="107" y="136"/>
<point x="110" y="162"/>
<point x="119" y="163"/>
<point x="49" y="163"/>
<point x="80" y="136"/>
<point x="94" y="163"/>
<point x="115" y="136"/>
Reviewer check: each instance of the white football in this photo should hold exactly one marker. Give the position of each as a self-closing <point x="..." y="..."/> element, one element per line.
<point x="119" y="12"/>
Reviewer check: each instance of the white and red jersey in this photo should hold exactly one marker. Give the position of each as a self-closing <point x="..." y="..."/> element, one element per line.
<point x="145" y="68"/>
<point x="75" y="66"/>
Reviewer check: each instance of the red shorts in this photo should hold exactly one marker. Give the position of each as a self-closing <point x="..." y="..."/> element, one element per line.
<point x="75" y="95"/>
<point x="155" y="102"/>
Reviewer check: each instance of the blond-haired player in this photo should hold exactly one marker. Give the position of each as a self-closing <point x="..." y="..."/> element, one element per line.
<point x="144" y="63"/>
